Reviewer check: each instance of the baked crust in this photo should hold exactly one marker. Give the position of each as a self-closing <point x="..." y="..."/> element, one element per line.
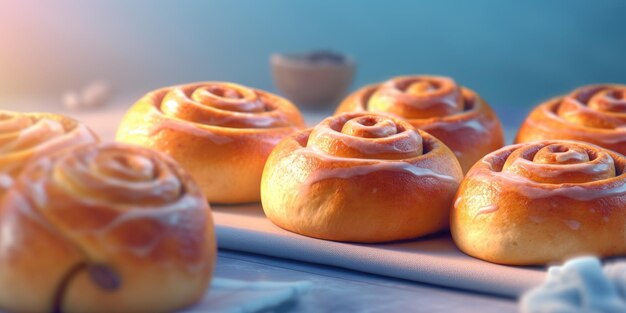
<point x="360" y="177"/>
<point x="542" y="202"/>
<point x="456" y="115"/>
<point x="221" y="133"/>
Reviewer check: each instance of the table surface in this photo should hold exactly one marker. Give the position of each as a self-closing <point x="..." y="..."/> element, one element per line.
<point x="338" y="290"/>
<point x="333" y="289"/>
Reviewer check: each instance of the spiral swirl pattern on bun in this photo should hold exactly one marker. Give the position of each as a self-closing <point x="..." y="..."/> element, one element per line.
<point x="595" y="114"/>
<point x="26" y="136"/>
<point x="361" y="177"/>
<point x="220" y="132"/>
<point x="456" y="115"/>
<point x="104" y="228"/>
<point x="540" y="202"/>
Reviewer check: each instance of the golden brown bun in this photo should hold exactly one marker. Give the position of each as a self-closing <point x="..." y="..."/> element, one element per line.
<point x="27" y="136"/>
<point x="219" y="132"/>
<point x="542" y="202"/>
<point x="360" y="177"/>
<point x="104" y="228"/>
<point x="455" y="115"/>
<point x="594" y="114"/>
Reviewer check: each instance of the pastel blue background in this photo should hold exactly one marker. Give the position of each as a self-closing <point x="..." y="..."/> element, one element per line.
<point x="515" y="53"/>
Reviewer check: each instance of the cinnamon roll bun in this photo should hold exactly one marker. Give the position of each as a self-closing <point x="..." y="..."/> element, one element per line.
<point x="456" y="115"/>
<point x="360" y="177"/>
<point x="27" y="136"/>
<point x="219" y="132"/>
<point x="104" y="228"/>
<point x="540" y="202"/>
<point x="594" y="114"/>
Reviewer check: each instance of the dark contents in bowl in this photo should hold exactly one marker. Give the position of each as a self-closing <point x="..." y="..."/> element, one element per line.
<point x="319" y="56"/>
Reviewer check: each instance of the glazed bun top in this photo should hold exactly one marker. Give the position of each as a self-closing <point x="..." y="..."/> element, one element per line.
<point x="418" y="97"/>
<point x="226" y="105"/>
<point x="454" y="114"/>
<point x="594" y="113"/>
<point x="366" y="136"/>
<point x="415" y="98"/>
<point x="595" y="106"/>
<point x="27" y="136"/>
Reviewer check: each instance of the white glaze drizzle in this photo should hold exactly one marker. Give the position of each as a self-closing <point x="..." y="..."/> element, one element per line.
<point x="606" y="136"/>
<point x="172" y="216"/>
<point x="255" y="120"/>
<point x="568" y="155"/>
<point x="391" y="95"/>
<point x="199" y="130"/>
<point x="26" y="210"/>
<point x="378" y="130"/>
<point x="369" y="146"/>
<point x="8" y="229"/>
<point x="537" y="219"/>
<point x="572" y="224"/>
<point x="552" y="170"/>
<point x="169" y="214"/>
<point x="5" y="181"/>
<point x="40" y="131"/>
<point x="620" y="136"/>
<point x="534" y="190"/>
<point x="37" y="190"/>
<point x="81" y="132"/>
<point x="202" y="131"/>
<point x="486" y="209"/>
<point x="52" y="129"/>
<point x="451" y="126"/>
<point x="369" y="166"/>
<point x="360" y="170"/>
<point x="457" y="202"/>
<point x="444" y="92"/>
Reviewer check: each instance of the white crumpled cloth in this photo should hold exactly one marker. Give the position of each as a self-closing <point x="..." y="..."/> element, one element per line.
<point x="581" y="285"/>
